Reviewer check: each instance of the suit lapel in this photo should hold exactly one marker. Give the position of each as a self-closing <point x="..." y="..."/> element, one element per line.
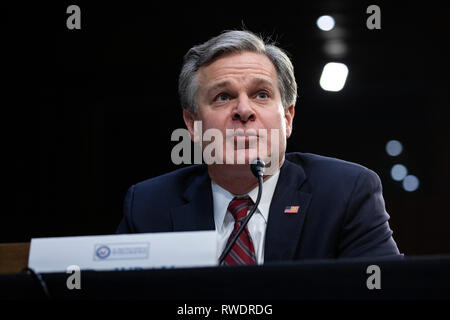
<point x="284" y="229"/>
<point x="197" y="213"/>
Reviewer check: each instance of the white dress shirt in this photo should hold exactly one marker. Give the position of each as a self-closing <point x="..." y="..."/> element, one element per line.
<point x="224" y="220"/>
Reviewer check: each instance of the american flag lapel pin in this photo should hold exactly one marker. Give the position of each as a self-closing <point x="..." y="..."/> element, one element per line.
<point x="291" y="209"/>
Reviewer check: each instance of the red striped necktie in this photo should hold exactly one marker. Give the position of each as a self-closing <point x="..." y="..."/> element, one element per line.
<point x="243" y="251"/>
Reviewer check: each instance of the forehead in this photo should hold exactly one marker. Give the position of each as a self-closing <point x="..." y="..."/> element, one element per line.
<point x="238" y="66"/>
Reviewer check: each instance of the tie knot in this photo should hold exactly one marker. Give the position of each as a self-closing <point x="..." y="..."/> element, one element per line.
<point x="238" y="207"/>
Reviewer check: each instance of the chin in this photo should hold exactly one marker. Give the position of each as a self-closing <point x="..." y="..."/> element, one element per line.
<point x="241" y="157"/>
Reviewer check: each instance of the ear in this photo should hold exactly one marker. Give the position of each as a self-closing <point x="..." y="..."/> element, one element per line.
<point x="289" y="117"/>
<point x="189" y="119"/>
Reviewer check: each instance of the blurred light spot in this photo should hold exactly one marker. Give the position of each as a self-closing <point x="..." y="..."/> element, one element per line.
<point x="333" y="76"/>
<point x="394" y="148"/>
<point x="410" y="183"/>
<point x="399" y="172"/>
<point x="335" y="48"/>
<point x="325" y="23"/>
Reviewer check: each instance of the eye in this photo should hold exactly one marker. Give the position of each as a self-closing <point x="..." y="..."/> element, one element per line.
<point x="222" y="97"/>
<point x="262" y="95"/>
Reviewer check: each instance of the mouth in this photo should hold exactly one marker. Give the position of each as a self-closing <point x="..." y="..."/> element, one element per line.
<point x="242" y="133"/>
<point x="245" y="141"/>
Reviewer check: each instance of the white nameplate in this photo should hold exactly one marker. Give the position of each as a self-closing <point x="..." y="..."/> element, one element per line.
<point x="124" y="252"/>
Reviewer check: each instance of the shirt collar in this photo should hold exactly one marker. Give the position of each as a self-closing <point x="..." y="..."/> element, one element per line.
<point x="222" y="198"/>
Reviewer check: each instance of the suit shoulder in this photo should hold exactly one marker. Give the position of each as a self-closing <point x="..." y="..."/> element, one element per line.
<point x="322" y="166"/>
<point x="177" y="179"/>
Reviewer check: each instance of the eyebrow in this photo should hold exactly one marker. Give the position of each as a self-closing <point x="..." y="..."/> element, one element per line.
<point x="261" y="81"/>
<point x="254" y="82"/>
<point x="218" y="85"/>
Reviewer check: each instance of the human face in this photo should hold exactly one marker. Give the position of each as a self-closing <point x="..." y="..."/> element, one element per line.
<point x="240" y="92"/>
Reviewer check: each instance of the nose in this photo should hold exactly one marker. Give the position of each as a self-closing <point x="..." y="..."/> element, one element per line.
<point x="243" y="110"/>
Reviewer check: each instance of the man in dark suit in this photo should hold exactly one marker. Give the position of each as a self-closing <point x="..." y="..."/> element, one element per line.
<point x="312" y="207"/>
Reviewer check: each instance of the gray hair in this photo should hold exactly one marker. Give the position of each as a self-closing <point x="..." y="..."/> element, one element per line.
<point x="234" y="42"/>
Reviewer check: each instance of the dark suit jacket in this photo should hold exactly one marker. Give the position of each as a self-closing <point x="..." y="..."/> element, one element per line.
<point x="342" y="212"/>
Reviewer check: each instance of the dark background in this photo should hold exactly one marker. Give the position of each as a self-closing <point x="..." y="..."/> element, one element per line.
<point x="94" y="108"/>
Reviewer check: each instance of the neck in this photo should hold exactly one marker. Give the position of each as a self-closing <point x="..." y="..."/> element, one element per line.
<point x="237" y="179"/>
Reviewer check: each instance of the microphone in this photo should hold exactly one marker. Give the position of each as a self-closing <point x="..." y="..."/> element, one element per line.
<point x="257" y="167"/>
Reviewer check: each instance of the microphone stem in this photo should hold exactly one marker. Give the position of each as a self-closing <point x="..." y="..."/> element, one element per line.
<point x="244" y="223"/>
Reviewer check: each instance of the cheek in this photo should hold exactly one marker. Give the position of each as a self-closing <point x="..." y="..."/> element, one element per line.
<point x="213" y="120"/>
<point x="213" y="126"/>
<point x="282" y="129"/>
<point x="277" y="121"/>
